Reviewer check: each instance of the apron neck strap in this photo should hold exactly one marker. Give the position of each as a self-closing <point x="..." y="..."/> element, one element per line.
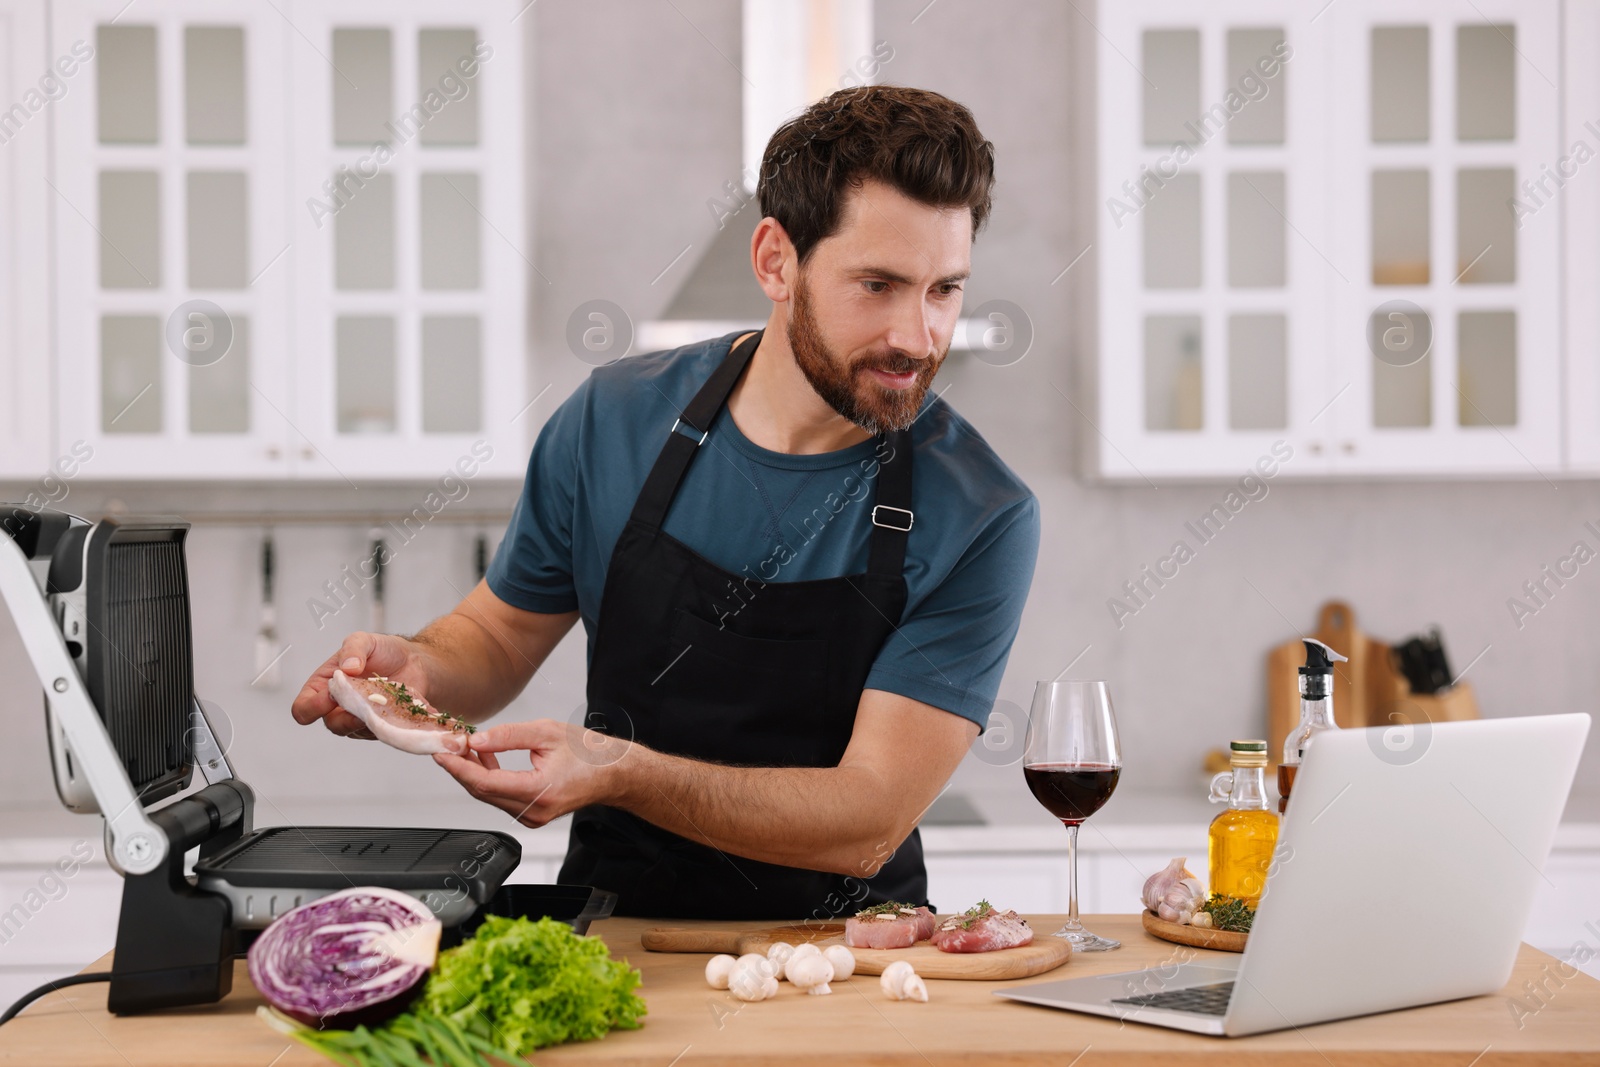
<point x="891" y="513"/>
<point x="688" y="433"/>
<point x="891" y="510"/>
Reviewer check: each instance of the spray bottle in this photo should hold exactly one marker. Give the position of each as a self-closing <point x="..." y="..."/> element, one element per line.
<point x="1316" y="713"/>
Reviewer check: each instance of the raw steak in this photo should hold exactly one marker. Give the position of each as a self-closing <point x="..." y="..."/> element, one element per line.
<point x="888" y="926"/>
<point x="981" y="929"/>
<point x="398" y="717"/>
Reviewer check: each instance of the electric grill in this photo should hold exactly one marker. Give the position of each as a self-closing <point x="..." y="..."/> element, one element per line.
<point x="103" y="611"/>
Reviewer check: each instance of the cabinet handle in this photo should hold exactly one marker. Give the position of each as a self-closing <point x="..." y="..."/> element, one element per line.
<point x="1349" y="447"/>
<point x="308" y="453"/>
<point x="1316" y="448"/>
<point x="274" y="452"/>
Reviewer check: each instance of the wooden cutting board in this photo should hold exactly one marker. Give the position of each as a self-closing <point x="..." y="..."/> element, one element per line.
<point x="1197" y="936"/>
<point x="1044" y="953"/>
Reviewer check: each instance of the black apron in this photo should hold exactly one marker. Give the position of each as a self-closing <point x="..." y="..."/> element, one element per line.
<point x="696" y="661"/>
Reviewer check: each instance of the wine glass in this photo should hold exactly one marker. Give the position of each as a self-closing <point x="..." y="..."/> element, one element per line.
<point x="1071" y="763"/>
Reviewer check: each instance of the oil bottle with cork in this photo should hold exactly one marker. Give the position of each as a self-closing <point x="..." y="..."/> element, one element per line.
<point x="1316" y="713"/>
<point x="1243" y="837"/>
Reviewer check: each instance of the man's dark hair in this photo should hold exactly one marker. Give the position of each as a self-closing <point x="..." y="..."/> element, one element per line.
<point x="925" y="145"/>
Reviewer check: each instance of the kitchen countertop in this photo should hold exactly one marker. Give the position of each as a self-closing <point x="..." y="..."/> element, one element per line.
<point x="690" y="1023"/>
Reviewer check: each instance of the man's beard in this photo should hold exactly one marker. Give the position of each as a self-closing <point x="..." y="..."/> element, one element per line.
<point x="873" y="407"/>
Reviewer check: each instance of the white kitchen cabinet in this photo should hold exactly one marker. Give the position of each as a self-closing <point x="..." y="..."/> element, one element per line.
<point x="170" y="188"/>
<point x="410" y="289"/>
<point x="1270" y="180"/>
<point x="28" y="82"/>
<point x="1212" y="311"/>
<point x="1571" y="187"/>
<point x="282" y="252"/>
<point x="1566" y="909"/>
<point x="52" y="925"/>
<point x="1439" y="114"/>
<point x="1021" y="882"/>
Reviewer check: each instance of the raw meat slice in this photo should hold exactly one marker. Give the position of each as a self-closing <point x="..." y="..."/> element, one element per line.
<point x="890" y="925"/>
<point x="398" y="717"/>
<point x="982" y="929"/>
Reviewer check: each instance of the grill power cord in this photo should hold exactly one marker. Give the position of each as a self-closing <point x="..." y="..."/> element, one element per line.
<point x="50" y="987"/>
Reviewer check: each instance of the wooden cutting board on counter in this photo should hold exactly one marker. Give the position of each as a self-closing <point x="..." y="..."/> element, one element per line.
<point x="1044" y="953"/>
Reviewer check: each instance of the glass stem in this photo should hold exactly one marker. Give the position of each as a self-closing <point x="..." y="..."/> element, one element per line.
<point x="1072" y="878"/>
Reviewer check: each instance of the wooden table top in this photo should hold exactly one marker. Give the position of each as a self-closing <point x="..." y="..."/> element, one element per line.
<point x="690" y="1023"/>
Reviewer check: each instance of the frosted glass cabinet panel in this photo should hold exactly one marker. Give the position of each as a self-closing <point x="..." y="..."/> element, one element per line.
<point x="290" y="237"/>
<point x="1309" y="234"/>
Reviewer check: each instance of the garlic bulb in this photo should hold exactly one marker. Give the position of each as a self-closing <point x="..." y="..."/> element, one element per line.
<point x="811" y="973"/>
<point x="749" y="983"/>
<point x="900" y="982"/>
<point x="843" y="960"/>
<point x="719" y="969"/>
<point x="1201" y="919"/>
<point x="778" y="953"/>
<point x="1174" y="893"/>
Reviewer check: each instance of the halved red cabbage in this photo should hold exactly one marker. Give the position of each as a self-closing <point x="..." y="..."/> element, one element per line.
<point x="355" y="957"/>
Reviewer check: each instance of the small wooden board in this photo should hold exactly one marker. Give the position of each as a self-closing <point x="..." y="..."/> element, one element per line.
<point x="1197" y="936"/>
<point x="1043" y="953"/>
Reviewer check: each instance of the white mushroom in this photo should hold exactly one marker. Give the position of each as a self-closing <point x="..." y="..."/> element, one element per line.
<point x="811" y="973"/>
<point x="802" y="952"/>
<point x="778" y="953"/>
<point x="767" y="968"/>
<point x="900" y="982"/>
<point x="748" y="983"/>
<point x="769" y="988"/>
<point x="843" y="960"/>
<point x="719" y="969"/>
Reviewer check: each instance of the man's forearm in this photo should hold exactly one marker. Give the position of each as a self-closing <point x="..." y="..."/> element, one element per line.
<point x="481" y="655"/>
<point x="839" y="819"/>
<point x="468" y="676"/>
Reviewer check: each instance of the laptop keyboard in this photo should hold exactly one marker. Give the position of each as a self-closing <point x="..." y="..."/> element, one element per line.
<point x="1198" y="1000"/>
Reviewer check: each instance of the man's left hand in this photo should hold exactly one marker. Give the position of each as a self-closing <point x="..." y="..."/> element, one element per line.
<point x="570" y="769"/>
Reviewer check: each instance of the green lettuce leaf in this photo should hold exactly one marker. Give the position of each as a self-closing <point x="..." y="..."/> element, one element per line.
<point x="524" y="984"/>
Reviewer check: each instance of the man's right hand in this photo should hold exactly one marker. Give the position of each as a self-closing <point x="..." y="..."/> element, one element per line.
<point x="360" y="656"/>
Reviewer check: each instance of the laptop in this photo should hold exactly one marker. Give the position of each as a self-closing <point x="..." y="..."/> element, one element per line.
<point x="1422" y="846"/>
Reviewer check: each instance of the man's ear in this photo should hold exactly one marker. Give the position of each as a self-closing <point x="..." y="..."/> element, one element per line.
<point x="773" y="260"/>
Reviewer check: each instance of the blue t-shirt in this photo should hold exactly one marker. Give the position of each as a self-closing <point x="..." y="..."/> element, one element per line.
<point x="781" y="517"/>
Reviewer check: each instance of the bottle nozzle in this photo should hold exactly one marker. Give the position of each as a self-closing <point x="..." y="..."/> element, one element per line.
<point x="1320" y="658"/>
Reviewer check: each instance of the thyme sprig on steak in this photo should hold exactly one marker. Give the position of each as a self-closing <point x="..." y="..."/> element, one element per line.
<point x="405" y="699"/>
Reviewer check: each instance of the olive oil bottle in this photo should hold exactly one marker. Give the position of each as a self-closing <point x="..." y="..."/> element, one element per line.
<point x="1243" y="837"/>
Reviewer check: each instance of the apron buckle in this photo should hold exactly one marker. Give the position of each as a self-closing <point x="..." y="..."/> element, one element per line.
<point x="677" y="422"/>
<point x="909" y="517"/>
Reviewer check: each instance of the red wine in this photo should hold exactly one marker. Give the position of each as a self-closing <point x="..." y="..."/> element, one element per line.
<point x="1072" y="791"/>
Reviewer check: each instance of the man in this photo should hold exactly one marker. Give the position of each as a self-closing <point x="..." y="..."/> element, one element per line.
<point x="800" y="574"/>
